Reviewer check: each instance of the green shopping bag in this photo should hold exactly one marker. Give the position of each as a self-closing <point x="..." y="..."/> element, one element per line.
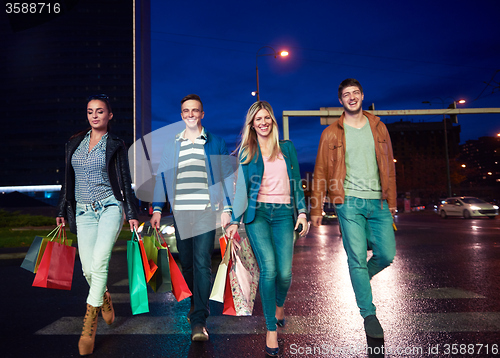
<point x="136" y="278"/>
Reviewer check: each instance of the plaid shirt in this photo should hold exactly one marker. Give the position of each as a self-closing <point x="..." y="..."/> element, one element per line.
<point x="91" y="177"/>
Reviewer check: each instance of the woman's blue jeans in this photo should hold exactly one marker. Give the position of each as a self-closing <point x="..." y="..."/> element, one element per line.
<point x="98" y="226"/>
<point x="271" y="237"/>
<point x="364" y="221"/>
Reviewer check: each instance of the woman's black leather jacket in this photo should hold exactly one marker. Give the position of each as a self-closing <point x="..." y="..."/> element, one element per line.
<point x="118" y="173"/>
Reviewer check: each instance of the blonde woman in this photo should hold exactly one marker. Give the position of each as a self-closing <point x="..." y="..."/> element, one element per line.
<point x="270" y="201"/>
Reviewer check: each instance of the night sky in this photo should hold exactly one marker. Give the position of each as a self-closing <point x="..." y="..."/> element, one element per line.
<point x="403" y="53"/>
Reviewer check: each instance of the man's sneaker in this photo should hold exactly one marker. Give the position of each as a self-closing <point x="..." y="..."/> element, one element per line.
<point x="199" y="333"/>
<point x="373" y="328"/>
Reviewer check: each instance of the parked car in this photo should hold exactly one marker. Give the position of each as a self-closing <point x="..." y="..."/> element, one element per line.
<point x="168" y="230"/>
<point x="467" y="207"/>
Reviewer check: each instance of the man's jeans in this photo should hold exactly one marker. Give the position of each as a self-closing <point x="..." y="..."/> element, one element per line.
<point x="271" y="237"/>
<point x="195" y="235"/>
<point x="98" y="226"/>
<point x="364" y="221"/>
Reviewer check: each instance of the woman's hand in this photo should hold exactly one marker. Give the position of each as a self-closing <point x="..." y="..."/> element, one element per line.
<point x="305" y="226"/>
<point x="134" y="224"/>
<point x="60" y="221"/>
<point x="231" y="230"/>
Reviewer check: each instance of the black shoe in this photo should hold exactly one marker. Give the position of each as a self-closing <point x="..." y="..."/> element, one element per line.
<point x="273" y="352"/>
<point x="373" y="328"/>
<point x="280" y="322"/>
<point x="199" y="333"/>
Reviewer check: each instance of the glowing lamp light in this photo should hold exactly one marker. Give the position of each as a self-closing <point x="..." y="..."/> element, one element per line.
<point x="283" y="53"/>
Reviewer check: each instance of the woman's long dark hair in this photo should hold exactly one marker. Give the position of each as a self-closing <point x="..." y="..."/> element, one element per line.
<point x="101" y="97"/>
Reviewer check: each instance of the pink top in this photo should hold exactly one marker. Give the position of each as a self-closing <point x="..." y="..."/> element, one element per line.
<point x="275" y="186"/>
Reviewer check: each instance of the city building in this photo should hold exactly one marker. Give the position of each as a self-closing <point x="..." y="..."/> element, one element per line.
<point x="419" y="151"/>
<point x="480" y="163"/>
<point x="48" y="71"/>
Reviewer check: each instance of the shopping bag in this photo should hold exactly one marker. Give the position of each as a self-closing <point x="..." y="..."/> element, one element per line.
<point x="180" y="288"/>
<point x="222" y="244"/>
<point x="148" y="264"/>
<point x="53" y="235"/>
<point x="161" y="281"/>
<point x="219" y="285"/>
<point x="229" y="308"/>
<point x="136" y="278"/>
<point x="57" y="265"/>
<point x="243" y="276"/>
<point x="30" y="259"/>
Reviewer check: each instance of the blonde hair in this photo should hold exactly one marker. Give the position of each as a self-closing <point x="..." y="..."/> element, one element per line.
<point x="249" y="143"/>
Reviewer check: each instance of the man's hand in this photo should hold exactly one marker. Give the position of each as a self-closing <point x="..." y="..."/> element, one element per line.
<point x="393" y="211"/>
<point x="155" y="220"/>
<point x="316" y="220"/>
<point x="225" y="219"/>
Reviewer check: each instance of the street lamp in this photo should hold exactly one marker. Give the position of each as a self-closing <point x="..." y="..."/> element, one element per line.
<point x="275" y="54"/>
<point x="452" y="105"/>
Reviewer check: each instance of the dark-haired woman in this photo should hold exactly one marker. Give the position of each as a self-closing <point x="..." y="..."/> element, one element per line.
<point x="98" y="190"/>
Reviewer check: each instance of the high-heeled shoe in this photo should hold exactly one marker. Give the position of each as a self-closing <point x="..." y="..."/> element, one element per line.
<point x="280" y="322"/>
<point x="273" y="352"/>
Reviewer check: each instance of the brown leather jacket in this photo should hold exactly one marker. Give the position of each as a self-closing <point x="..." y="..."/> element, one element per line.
<point x="330" y="169"/>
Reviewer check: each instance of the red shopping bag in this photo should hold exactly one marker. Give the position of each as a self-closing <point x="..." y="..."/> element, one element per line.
<point x="56" y="267"/>
<point x="180" y="288"/>
<point x="223" y="244"/>
<point x="228" y="296"/>
<point x="149" y="265"/>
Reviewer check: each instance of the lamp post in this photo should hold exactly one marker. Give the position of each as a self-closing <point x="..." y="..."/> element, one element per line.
<point x="275" y="54"/>
<point x="453" y="105"/>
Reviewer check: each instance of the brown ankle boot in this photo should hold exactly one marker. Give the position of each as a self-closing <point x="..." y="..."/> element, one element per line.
<point x="86" y="343"/>
<point x="108" y="313"/>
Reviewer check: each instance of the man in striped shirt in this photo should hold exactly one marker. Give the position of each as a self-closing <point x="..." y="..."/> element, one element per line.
<point x="196" y="176"/>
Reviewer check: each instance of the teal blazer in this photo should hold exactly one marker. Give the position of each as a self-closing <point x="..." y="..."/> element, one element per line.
<point x="250" y="179"/>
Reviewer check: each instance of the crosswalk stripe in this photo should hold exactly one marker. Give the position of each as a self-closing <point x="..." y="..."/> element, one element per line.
<point x="144" y="324"/>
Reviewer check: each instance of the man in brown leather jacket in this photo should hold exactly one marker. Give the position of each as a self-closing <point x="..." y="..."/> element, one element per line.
<point x="355" y="168"/>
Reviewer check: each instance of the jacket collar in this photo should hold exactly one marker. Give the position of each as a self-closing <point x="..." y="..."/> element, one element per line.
<point x="374" y="120"/>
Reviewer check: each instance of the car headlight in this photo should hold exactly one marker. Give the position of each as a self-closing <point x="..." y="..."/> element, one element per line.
<point x="473" y="207"/>
<point x="495" y="207"/>
<point x="168" y="230"/>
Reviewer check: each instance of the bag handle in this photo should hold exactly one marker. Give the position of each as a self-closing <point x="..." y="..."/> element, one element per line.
<point x="51" y="235"/>
<point x="158" y="235"/>
<point x="137" y="236"/>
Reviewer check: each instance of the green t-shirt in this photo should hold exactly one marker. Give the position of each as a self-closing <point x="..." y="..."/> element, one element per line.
<point x="362" y="177"/>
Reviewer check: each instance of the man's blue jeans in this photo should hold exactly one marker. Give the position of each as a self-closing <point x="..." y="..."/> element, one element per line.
<point x="364" y="221"/>
<point x="271" y="237"/>
<point x="195" y="235"/>
<point x="98" y="226"/>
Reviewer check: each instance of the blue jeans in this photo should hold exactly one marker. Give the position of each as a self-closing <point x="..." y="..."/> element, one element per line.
<point x="98" y="226"/>
<point x="271" y="237"/>
<point x="363" y="222"/>
<point x="195" y="246"/>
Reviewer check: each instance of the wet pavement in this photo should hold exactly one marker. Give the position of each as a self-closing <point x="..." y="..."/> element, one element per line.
<point x="440" y="298"/>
